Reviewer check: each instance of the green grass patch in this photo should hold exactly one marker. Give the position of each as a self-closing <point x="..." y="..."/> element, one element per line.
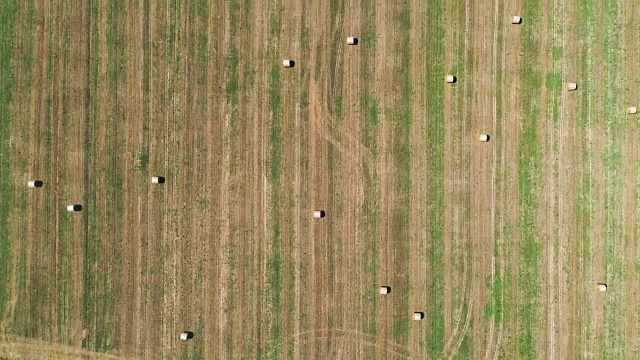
<point x="615" y="128"/>
<point x="554" y="89"/>
<point x="203" y="40"/>
<point x="587" y="193"/>
<point x="90" y="246"/>
<point x="465" y="346"/>
<point x="233" y="80"/>
<point x="104" y="337"/>
<point x="9" y="10"/>
<point x="556" y="53"/>
<point x="433" y="342"/>
<point x="274" y="347"/>
<point x="496" y="304"/>
<point x="370" y="128"/>
<point x="336" y="16"/>
<point x="21" y="313"/>
<point x="401" y="118"/>
<point x="143" y="160"/>
<point x="530" y="170"/>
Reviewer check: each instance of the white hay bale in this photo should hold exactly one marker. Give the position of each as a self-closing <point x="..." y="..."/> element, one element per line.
<point x="157" y="179"/>
<point x="516" y="20"/>
<point x="602" y="287"/>
<point x="632" y="110"/>
<point x="288" y="63"/>
<point x="450" y="79"/>
<point x="485" y="138"/>
<point x="35" y="184"/>
<point x="418" y="315"/>
<point x="384" y="290"/>
<point x="572" y="86"/>
<point x="352" y="40"/>
<point x="318" y="214"/>
<point x="187" y="335"/>
<point x="74" y="208"/>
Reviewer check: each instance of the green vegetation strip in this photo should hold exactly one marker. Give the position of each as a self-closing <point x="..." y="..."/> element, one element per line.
<point x="274" y="348"/>
<point x="231" y="87"/>
<point x="297" y="201"/>
<point x="402" y="129"/>
<point x="336" y="16"/>
<point x="530" y="171"/>
<point x="461" y="95"/>
<point x="91" y="250"/>
<point x="587" y="122"/>
<point x="433" y="342"/>
<point x="22" y="311"/>
<point x="9" y="10"/>
<point x="302" y="87"/>
<point x="367" y="321"/>
<point x="65" y="252"/>
<point x="616" y="127"/>
<point x="496" y="304"/>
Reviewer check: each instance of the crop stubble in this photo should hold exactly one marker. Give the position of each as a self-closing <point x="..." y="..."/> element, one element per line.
<point x="108" y="94"/>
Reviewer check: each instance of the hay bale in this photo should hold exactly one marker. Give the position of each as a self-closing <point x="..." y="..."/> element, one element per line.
<point x="186" y="335"/>
<point x="35" y="184"/>
<point x="288" y="63"/>
<point x="74" y="208"/>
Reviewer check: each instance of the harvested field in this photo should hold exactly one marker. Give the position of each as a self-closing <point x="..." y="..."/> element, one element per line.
<point x="499" y="243"/>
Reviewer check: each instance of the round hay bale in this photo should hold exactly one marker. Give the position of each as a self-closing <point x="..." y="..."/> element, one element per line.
<point x="74" y="208"/>
<point x="288" y="63"/>
<point x="35" y="184"/>
<point x="186" y="335"/>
